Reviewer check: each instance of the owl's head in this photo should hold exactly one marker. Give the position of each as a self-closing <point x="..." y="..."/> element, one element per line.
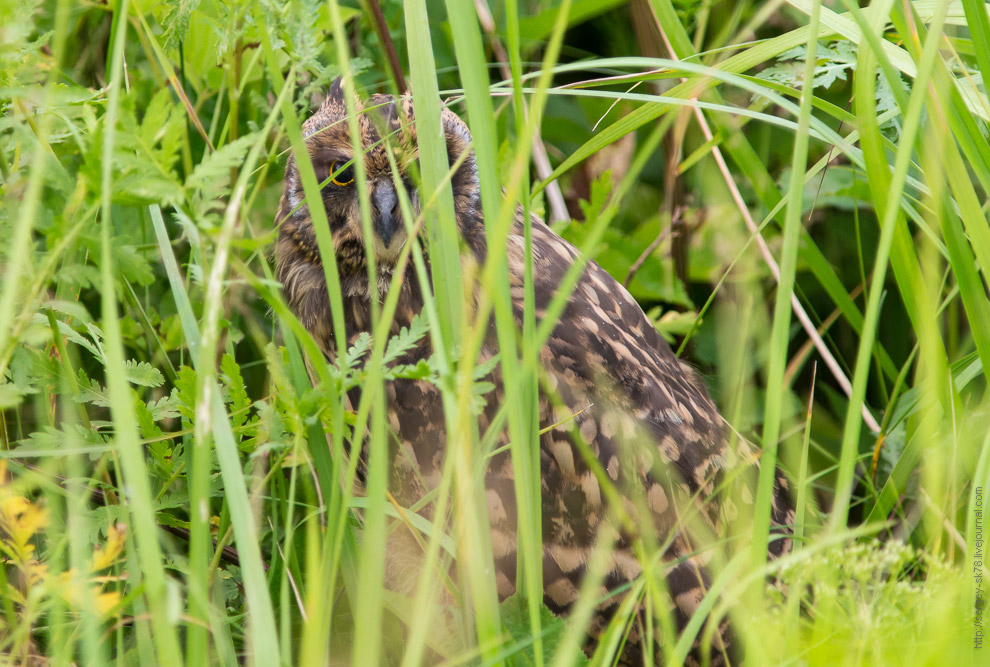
<point x="383" y="121"/>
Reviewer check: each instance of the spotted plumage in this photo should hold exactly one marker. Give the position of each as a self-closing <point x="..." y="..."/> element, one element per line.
<point x="645" y="427"/>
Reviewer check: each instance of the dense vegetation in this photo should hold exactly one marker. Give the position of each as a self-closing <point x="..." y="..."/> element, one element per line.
<point x="819" y="251"/>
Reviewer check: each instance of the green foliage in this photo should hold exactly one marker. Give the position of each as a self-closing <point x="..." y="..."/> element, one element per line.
<point x="262" y="445"/>
<point x="516" y="619"/>
<point x="175" y="21"/>
<point x="875" y="598"/>
<point x="20" y="45"/>
<point x="210" y="179"/>
<point x="833" y="63"/>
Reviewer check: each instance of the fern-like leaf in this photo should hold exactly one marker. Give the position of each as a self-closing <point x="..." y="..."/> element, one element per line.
<point x="406" y="339"/>
<point x="142" y="373"/>
<point x="234" y="383"/>
<point x="216" y="167"/>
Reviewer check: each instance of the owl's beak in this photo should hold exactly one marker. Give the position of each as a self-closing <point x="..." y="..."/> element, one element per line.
<point x="386" y="205"/>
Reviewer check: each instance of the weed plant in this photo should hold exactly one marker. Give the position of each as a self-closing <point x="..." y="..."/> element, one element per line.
<point x="796" y="192"/>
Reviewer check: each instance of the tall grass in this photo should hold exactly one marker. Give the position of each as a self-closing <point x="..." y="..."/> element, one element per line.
<point x="160" y="404"/>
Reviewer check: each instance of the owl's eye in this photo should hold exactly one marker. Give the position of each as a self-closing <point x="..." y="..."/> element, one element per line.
<point x="344" y="178"/>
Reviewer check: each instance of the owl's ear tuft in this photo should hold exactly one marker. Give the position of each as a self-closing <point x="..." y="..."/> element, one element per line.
<point x="456" y="130"/>
<point x="335" y="94"/>
<point x="458" y="138"/>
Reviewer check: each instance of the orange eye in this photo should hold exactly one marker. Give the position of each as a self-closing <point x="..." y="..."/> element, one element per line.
<point x="344" y="178"/>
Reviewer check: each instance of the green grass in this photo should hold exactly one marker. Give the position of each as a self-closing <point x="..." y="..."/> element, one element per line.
<point x="835" y="279"/>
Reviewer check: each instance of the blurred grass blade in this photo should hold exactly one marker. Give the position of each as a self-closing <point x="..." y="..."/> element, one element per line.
<point x="150" y="570"/>
<point x="780" y="333"/>
<point x="891" y="220"/>
<point x="264" y="639"/>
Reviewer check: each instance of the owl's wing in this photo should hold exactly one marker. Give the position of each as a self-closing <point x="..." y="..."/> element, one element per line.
<point x="605" y="351"/>
<point x="645" y="415"/>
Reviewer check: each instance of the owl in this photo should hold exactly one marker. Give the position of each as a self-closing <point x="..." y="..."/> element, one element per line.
<point x="610" y="385"/>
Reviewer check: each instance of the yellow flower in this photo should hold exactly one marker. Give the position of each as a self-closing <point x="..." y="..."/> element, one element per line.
<point x="21" y="520"/>
<point x="107" y="555"/>
<point x="105" y="602"/>
<point x="36" y="571"/>
<point x="79" y="593"/>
